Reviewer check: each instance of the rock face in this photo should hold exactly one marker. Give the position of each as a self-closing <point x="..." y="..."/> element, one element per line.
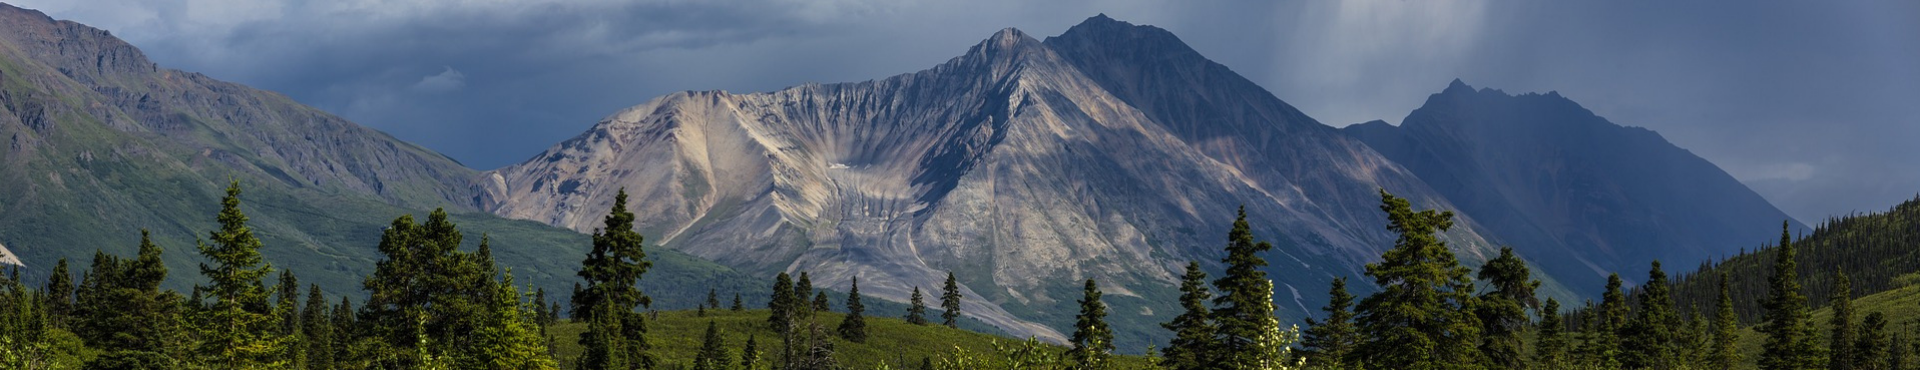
<point x="1111" y="152"/>
<point x="1582" y="195"/>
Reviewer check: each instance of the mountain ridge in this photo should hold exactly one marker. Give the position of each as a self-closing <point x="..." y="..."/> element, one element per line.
<point x="1008" y="164"/>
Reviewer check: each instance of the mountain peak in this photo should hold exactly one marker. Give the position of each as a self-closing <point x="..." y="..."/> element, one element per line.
<point x="1457" y="87"/>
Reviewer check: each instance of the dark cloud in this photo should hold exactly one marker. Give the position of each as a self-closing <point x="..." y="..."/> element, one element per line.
<point x="1811" y="103"/>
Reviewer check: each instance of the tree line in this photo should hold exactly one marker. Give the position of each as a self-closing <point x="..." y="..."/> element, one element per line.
<point x="432" y="305"/>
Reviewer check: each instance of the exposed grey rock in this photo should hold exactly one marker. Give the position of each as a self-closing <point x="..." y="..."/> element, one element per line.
<point x="1112" y="152"/>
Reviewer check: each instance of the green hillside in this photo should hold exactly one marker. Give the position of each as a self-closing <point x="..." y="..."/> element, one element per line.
<point x="676" y="336"/>
<point x="1873" y="249"/>
<point x="1901" y="305"/>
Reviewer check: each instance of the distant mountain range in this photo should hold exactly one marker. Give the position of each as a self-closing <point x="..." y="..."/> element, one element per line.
<point x="1579" y="195"/>
<point x="1112" y="152"/>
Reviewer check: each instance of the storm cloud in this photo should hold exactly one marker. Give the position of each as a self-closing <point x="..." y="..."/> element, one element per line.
<point x="1811" y="103"/>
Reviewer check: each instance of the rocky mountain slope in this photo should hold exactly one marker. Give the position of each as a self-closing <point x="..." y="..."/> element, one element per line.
<point x="101" y="143"/>
<point x="1583" y="196"/>
<point x="1111" y="152"/>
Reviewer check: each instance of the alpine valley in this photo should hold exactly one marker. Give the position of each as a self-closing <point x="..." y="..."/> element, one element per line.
<point x="1111" y="152"/>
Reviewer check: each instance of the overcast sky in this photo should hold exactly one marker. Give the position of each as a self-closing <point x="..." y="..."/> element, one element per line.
<point x="1814" y="104"/>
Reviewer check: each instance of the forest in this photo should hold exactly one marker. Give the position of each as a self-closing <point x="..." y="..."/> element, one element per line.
<point x="431" y="305"/>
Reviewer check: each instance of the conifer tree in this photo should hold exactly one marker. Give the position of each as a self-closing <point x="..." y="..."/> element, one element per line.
<point x="121" y="312"/>
<point x="1840" y="346"/>
<point x="803" y="289"/>
<point x="1789" y="330"/>
<point x="616" y="333"/>
<point x="1092" y="338"/>
<point x="737" y="306"/>
<point x="821" y="302"/>
<point x="59" y="293"/>
<point x="1330" y="341"/>
<point x="1193" y="331"/>
<point x="750" y="355"/>
<point x="1726" y="332"/>
<point x="781" y="304"/>
<point x="950" y="303"/>
<point x="1503" y="311"/>
<point x="1698" y="341"/>
<point x="713" y="351"/>
<point x="1422" y="317"/>
<point x="425" y="297"/>
<point x="346" y="334"/>
<point x="853" y="327"/>
<point x="713" y="299"/>
<point x="1870" y="345"/>
<point x="505" y="336"/>
<point x="1550" y="348"/>
<point x="317" y="330"/>
<point x="240" y="327"/>
<point x="288" y="304"/>
<point x="1602" y="344"/>
<point x="1241" y="308"/>
<point x="917" y="308"/>
<point x="1650" y="338"/>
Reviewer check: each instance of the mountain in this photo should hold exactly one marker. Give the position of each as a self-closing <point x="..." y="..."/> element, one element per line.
<point x="1581" y="195"/>
<point x="102" y="143"/>
<point x="1111" y="152"/>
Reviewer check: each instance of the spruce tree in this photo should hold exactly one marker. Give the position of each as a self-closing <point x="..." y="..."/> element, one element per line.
<point x="821" y="302"/>
<point x="853" y="327"/>
<point x="1840" y="343"/>
<point x="713" y="351"/>
<point x="1092" y="338"/>
<point x="241" y="331"/>
<point x="1724" y="355"/>
<point x="1550" y="348"/>
<point x="1697" y="341"/>
<point x="1650" y="338"/>
<point x="1329" y="342"/>
<point x="1242" y="307"/>
<point x="1422" y="317"/>
<point x="1193" y="331"/>
<point x="950" y="303"/>
<point x="803" y="289"/>
<point x="917" y="308"/>
<point x="425" y="296"/>
<point x="1503" y="310"/>
<point x="346" y="334"/>
<point x="737" y="306"/>
<point x="1602" y="345"/>
<point x="59" y="293"/>
<point x="750" y="355"/>
<point x="317" y="330"/>
<point x="505" y="335"/>
<point x="288" y="304"/>
<point x="1789" y="330"/>
<point x="780" y="305"/>
<point x="713" y="299"/>
<point x="616" y="333"/>
<point x="121" y="312"/>
<point x="1870" y="346"/>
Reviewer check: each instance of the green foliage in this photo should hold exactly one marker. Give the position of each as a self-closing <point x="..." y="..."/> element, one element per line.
<point x="781" y="306"/>
<point x="242" y="331"/>
<point x="1789" y="332"/>
<point x="506" y="336"/>
<point x="1330" y="342"/>
<point x="1243" y="306"/>
<point x="950" y="303"/>
<point x="319" y="333"/>
<point x="617" y="334"/>
<point x="917" y="309"/>
<point x="1726" y="332"/>
<point x="1870" y="347"/>
<point x="1550" y="348"/>
<point x="1422" y="316"/>
<point x="1193" y="331"/>
<point x="803" y="290"/>
<point x="1092" y="339"/>
<point x="60" y="293"/>
<point x="425" y="287"/>
<point x="713" y="352"/>
<point x="1651" y="338"/>
<point x="1503" y="310"/>
<point x="1840" y="342"/>
<point x="853" y="327"/>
